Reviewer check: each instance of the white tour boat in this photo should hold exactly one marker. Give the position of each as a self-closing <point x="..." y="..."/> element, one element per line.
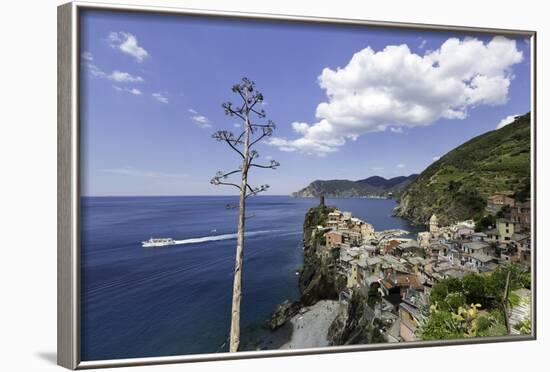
<point x="158" y="242"/>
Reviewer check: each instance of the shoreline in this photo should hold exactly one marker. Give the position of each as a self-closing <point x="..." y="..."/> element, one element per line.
<point x="310" y="326"/>
<point x="260" y="337"/>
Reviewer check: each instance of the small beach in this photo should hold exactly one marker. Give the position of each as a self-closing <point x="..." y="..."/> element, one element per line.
<point x="311" y="324"/>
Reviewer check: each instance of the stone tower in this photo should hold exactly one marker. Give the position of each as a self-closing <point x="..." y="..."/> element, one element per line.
<point x="434" y="226"/>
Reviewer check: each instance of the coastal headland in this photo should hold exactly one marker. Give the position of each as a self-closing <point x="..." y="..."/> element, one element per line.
<point x="361" y="286"/>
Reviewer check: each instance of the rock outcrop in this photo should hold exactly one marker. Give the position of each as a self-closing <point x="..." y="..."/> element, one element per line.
<point x="284" y="313"/>
<point x="358" y="325"/>
<point x="318" y="279"/>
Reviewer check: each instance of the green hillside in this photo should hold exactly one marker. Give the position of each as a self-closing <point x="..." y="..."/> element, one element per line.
<point x="456" y="186"/>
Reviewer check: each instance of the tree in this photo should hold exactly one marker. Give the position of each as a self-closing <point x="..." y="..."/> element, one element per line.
<point x="504" y="212"/>
<point x="524" y="191"/>
<point x="441" y="289"/>
<point x="466" y="321"/>
<point x="373" y="295"/>
<point x="475" y="306"/>
<point x="475" y="289"/>
<point x="253" y="132"/>
<point x="485" y="222"/>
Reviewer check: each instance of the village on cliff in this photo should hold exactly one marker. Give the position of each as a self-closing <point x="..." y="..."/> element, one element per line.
<point x="404" y="270"/>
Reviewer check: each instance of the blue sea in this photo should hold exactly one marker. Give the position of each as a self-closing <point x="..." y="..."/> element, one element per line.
<point x="176" y="300"/>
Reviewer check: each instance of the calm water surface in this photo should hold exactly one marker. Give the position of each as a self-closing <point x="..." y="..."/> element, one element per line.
<point x="176" y="300"/>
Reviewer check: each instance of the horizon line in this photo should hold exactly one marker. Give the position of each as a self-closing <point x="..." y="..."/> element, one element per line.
<point x="173" y="195"/>
<point x="195" y="195"/>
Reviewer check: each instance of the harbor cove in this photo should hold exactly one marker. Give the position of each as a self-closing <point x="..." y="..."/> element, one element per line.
<point x="173" y="300"/>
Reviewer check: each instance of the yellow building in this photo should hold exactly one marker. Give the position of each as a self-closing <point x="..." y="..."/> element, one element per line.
<point x="353" y="275"/>
<point x="334" y="219"/>
<point x="358" y="272"/>
<point x="505" y="230"/>
<point x="367" y="231"/>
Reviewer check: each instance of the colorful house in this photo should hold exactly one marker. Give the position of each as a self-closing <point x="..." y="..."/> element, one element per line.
<point x="334" y="239"/>
<point x="496" y="201"/>
<point x="505" y="230"/>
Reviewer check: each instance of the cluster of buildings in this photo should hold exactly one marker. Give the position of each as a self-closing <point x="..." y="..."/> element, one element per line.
<point x="519" y="212"/>
<point x="404" y="269"/>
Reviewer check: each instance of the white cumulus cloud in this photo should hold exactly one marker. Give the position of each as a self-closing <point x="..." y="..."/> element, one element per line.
<point x="396" y="88"/>
<point x="201" y="120"/>
<point x="117" y="76"/>
<point x="93" y="69"/>
<point x="160" y="97"/>
<point x="127" y="43"/>
<point x="134" y="91"/>
<point x="87" y="56"/>
<point x="507" y="120"/>
<point x="124" y="77"/>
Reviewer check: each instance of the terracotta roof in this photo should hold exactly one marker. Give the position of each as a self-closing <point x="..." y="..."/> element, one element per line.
<point x="408" y="280"/>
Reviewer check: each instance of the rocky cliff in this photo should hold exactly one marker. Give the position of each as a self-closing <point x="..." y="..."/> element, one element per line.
<point x="318" y="278"/>
<point x="358" y="325"/>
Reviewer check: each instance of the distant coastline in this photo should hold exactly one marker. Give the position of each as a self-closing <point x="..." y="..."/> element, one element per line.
<point x="344" y="197"/>
<point x="372" y="187"/>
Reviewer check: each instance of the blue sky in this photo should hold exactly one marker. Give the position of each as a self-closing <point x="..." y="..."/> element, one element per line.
<point x="152" y="88"/>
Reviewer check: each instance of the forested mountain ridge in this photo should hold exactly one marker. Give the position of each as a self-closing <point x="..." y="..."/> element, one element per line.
<point x="456" y="186"/>
<point x="371" y="186"/>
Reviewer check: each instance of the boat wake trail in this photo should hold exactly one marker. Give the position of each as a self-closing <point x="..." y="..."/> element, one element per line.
<point x="214" y="238"/>
<point x="129" y="282"/>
